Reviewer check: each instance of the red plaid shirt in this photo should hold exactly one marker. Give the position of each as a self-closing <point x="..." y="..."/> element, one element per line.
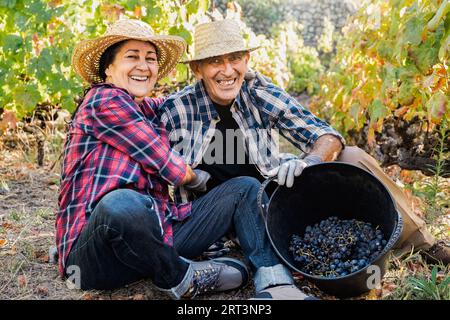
<point x="115" y="143"/>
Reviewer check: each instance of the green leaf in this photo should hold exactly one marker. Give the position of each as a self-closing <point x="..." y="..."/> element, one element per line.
<point x="394" y="26"/>
<point x="182" y="72"/>
<point x="413" y="31"/>
<point x="67" y="102"/>
<point x="182" y="32"/>
<point x="39" y="10"/>
<point x="386" y="49"/>
<point x="434" y="274"/>
<point x="354" y="111"/>
<point x="407" y="92"/>
<point x="26" y="97"/>
<point x="41" y="66"/>
<point x="446" y="282"/>
<point x="444" y="50"/>
<point x="153" y="12"/>
<point x="377" y="110"/>
<point x="426" y="54"/>
<point x="192" y="6"/>
<point x="22" y="21"/>
<point x="440" y="14"/>
<point x="8" y="3"/>
<point x="130" y="4"/>
<point x="12" y="43"/>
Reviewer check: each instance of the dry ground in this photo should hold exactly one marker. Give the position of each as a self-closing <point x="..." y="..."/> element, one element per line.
<point x="28" y="200"/>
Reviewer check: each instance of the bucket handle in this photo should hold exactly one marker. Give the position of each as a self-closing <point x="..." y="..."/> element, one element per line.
<point x="261" y="206"/>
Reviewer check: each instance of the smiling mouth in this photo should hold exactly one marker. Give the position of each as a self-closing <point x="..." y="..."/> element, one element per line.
<point x="226" y="83"/>
<point x="139" y="78"/>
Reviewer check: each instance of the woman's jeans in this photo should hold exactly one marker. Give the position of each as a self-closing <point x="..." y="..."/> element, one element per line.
<point x="122" y="241"/>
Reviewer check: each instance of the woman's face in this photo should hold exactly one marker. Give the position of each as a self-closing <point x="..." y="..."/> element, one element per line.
<point x="135" y="68"/>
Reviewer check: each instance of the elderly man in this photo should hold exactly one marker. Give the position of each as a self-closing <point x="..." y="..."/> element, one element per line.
<point x="223" y="126"/>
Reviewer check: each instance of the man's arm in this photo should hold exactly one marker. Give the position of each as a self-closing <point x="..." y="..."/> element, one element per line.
<point x="327" y="147"/>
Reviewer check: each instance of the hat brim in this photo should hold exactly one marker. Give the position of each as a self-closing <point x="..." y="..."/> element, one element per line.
<point x="219" y="53"/>
<point x="86" y="54"/>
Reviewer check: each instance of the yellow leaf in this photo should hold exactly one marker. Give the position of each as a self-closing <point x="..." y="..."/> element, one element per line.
<point x="3" y="242"/>
<point x="371" y="136"/>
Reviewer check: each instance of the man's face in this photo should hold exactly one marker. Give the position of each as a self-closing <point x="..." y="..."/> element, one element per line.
<point x="223" y="75"/>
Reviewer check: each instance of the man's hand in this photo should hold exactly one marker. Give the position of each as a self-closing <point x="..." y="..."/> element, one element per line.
<point x="293" y="168"/>
<point x="199" y="182"/>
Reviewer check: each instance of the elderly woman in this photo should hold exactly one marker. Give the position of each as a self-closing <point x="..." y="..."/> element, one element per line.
<point x="115" y="220"/>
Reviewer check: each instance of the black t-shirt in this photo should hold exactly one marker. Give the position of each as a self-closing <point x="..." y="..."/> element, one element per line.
<point x="234" y="160"/>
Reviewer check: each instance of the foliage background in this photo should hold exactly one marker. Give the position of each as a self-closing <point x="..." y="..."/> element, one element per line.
<point x="37" y="38"/>
<point x="390" y="63"/>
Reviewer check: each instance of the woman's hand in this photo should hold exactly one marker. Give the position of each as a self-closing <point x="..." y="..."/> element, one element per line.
<point x="199" y="182"/>
<point x="189" y="177"/>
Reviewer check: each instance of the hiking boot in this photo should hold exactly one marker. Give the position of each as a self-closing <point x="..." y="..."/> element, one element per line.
<point x="283" y="292"/>
<point x="216" y="275"/>
<point x="438" y="253"/>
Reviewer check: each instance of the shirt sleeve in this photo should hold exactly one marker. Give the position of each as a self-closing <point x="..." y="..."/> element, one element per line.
<point x="118" y="122"/>
<point x="296" y="123"/>
<point x="150" y="105"/>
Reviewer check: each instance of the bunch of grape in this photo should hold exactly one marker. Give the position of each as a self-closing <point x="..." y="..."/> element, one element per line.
<point x="335" y="248"/>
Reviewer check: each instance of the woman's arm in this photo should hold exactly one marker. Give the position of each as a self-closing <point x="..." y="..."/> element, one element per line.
<point x="118" y="122"/>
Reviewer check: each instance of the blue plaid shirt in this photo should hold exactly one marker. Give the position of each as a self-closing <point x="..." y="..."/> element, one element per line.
<point x="262" y="111"/>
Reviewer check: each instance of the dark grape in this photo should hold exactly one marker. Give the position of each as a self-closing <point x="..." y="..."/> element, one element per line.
<point x="333" y="248"/>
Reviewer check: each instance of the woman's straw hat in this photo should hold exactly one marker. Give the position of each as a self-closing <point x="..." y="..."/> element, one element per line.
<point x="217" y="38"/>
<point x="86" y="54"/>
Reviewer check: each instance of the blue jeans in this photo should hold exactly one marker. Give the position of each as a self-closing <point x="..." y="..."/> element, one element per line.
<point x="122" y="241"/>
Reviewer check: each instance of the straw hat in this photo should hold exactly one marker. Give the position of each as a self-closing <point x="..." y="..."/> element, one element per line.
<point x="86" y="54"/>
<point x="217" y="38"/>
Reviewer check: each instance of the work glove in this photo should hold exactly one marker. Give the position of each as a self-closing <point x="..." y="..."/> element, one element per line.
<point x="199" y="183"/>
<point x="293" y="168"/>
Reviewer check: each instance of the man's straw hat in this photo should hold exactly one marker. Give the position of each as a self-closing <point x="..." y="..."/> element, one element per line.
<point x="86" y="54"/>
<point x="217" y="38"/>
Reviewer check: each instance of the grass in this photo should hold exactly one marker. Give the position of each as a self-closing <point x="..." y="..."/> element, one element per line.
<point x="4" y="186"/>
<point x="45" y="213"/>
<point x="16" y="215"/>
<point x="414" y="279"/>
<point x="435" y="190"/>
<point x="429" y="287"/>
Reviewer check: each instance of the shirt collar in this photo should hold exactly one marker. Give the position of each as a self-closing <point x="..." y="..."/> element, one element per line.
<point x="206" y="105"/>
<point x="110" y="85"/>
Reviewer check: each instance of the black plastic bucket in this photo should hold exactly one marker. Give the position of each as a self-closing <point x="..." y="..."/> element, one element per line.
<point x="325" y="190"/>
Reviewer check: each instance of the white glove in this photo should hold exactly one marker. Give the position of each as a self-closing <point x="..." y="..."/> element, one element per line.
<point x="293" y="168"/>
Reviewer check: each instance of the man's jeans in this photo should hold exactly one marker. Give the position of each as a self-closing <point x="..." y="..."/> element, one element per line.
<point x="122" y="242"/>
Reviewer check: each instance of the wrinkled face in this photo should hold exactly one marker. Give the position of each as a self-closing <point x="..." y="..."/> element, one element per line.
<point x="223" y="75"/>
<point x="135" y="68"/>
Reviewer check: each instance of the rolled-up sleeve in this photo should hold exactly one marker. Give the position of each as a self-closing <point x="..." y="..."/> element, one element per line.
<point x="303" y="128"/>
<point x="119" y="123"/>
<point x="296" y="123"/>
